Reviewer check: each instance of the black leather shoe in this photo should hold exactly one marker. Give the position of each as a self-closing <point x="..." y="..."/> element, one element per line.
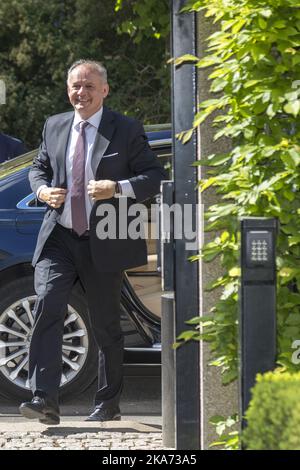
<point x="38" y="408"/>
<point x="105" y="414"/>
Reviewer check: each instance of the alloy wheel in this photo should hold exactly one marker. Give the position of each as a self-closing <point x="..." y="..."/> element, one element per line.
<point x="16" y="324"/>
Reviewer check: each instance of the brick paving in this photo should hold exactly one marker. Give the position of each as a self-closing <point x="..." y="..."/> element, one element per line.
<point x="79" y="435"/>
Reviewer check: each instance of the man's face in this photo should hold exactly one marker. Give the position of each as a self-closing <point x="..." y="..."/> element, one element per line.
<point x="86" y="90"/>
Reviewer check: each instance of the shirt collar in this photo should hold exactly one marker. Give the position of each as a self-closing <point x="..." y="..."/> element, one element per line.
<point x="94" y="120"/>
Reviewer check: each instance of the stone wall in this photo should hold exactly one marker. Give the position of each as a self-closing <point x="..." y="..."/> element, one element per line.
<point x="216" y="398"/>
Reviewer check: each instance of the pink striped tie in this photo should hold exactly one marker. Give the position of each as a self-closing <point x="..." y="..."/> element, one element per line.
<point x="78" y="209"/>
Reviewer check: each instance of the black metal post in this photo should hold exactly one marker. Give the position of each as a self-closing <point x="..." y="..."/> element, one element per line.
<point x="186" y="273"/>
<point x="257" y="303"/>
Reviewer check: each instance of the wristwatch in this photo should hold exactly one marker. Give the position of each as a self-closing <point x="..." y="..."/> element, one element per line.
<point x="118" y="190"/>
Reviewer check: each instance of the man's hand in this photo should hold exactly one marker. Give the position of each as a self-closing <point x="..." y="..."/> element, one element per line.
<point x="54" y="197"/>
<point x="103" y="189"/>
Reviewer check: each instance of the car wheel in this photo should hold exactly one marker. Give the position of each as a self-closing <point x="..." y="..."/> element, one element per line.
<point x="80" y="354"/>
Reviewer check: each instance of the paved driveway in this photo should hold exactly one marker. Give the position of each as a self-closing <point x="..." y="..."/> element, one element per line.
<point x="140" y="427"/>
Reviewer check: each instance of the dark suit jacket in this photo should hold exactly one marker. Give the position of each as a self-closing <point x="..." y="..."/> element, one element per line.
<point x="134" y="161"/>
<point x="10" y="147"/>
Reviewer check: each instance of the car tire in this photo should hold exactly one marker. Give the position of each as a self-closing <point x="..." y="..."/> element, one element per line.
<point x="16" y="302"/>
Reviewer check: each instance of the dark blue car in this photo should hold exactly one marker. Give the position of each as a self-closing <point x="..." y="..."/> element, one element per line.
<point x="20" y="218"/>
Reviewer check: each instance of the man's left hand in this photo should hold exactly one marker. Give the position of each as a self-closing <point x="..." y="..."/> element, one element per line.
<point x="103" y="189"/>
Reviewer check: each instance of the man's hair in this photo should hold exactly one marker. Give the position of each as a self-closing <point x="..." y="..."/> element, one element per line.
<point x="97" y="66"/>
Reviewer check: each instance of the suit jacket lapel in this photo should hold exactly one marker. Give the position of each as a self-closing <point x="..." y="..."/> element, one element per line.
<point x="63" y="133"/>
<point x="103" y="138"/>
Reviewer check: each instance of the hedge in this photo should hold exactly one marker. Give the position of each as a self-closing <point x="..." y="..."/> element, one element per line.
<point x="273" y="417"/>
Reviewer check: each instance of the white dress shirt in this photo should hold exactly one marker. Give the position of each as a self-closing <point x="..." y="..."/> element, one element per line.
<point x="65" y="218"/>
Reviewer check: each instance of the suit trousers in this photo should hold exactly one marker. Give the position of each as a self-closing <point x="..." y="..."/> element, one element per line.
<point x="65" y="258"/>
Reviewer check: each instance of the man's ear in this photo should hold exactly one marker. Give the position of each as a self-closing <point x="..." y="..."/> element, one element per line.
<point x="105" y="90"/>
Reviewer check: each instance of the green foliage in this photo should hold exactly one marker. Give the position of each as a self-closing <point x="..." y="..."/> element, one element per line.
<point x="274" y="413"/>
<point x="147" y="18"/>
<point x="39" y="40"/>
<point x="228" y="440"/>
<point x="254" y="70"/>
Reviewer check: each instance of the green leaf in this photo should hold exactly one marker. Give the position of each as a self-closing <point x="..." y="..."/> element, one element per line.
<point x="229" y="377"/>
<point x="218" y="84"/>
<point x="293" y="107"/>
<point x="294" y="240"/>
<point x="296" y="59"/>
<point x="293" y="319"/>
<point x="289" y="194"/>
<point x="295" y="155"/>
<point x="184" y="58"/>
<point x="287" y="272"/>
<point x="220" y="428"/>
<point x="238" y="25"/>
<point x="259" y="52"/>
<point x="262" y="23"/>
<point x="291" y="158"/>
<point x="193" y="321"/>
<point x="200" y="117"/>
<point x="187" y="335"/>
<point x="214" y="160"/>
<point x="217" y="419"/>
<point x="279" y="24"/>
<point x="228" y="24"/>
<point x="185" y="136"/>
<point x="118" y="5"/>
<point x="208" y="61"/>
<point x="235" y="272"/>
<point x="206" y="184"/>
<point x="217" y="443"/>
<point x="251" y="83"/>
<point x="267" y="12"/>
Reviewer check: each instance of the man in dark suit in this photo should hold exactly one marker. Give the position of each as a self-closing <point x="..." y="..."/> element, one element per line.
<point x="10" y="147"/>
<point x="87" y="158"/>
